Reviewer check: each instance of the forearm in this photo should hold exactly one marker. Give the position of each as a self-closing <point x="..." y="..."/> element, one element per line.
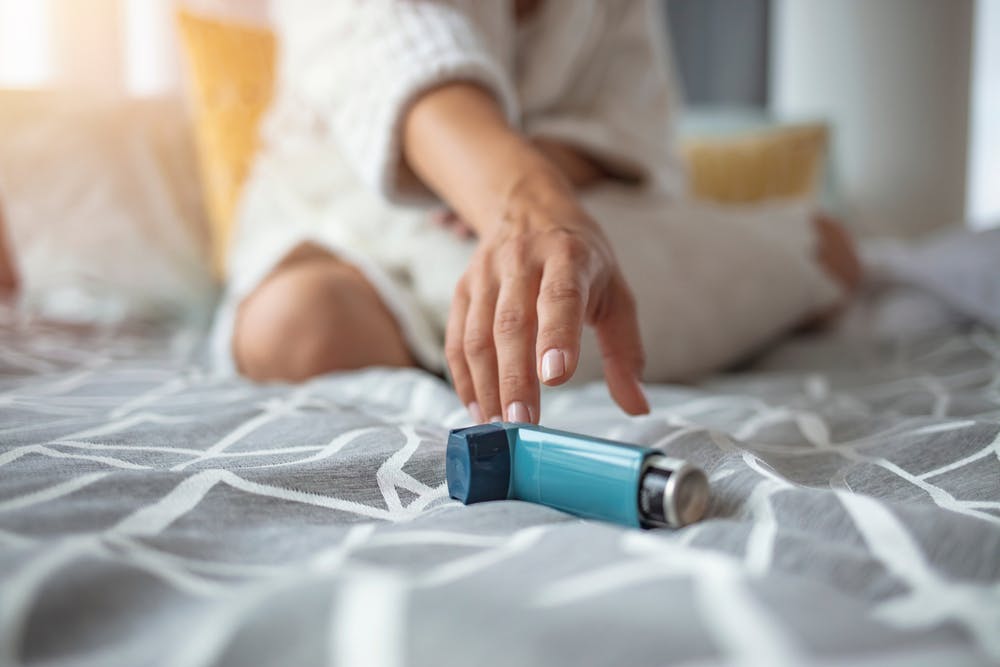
<point x="580" y="169"/>
<point x="458" y="143"/>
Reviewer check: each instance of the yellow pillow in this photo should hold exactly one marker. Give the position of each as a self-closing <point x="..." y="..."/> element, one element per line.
<point x="785" y="162"/>
<point x="232" y="70"/>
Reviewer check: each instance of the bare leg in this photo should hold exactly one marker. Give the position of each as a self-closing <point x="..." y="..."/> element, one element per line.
<point x="8" y="277"/>
<point x="315" y="314"/>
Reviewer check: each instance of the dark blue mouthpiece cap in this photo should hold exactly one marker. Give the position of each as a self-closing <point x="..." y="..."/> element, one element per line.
<point x="478" y="463"/>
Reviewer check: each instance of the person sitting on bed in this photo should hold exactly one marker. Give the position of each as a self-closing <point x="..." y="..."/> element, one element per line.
<point x="571" y="248"/>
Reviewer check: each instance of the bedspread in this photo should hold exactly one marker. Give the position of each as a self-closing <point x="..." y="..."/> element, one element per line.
<point x="153" y="514"/>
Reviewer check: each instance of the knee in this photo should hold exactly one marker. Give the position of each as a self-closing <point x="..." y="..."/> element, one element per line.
<point x="309" y="320"/>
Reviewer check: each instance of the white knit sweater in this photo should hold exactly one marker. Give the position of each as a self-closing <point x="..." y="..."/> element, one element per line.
<point x="711" y="284"/>
<point x="590" y="72"/>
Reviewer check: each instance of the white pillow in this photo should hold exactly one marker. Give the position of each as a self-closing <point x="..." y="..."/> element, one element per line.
<point x="102" y="207"/>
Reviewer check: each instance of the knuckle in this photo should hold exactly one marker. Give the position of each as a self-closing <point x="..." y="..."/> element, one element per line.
<point x="510" y="322"/>
<point x="563" y="290"/>
<point x="574" y="249"/>
<point x="570" y="247"/>
<point x="480" y="263"/>
<point x="480" y="273"/>
<point x="477" y="342"/>
<point x="454" y="352"/>
<point x="514" y="253"/>
<point x="512" y="382"/>
<point x="558" y="334"/>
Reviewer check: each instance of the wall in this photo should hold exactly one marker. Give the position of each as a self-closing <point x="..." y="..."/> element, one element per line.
<point x="893" y="78"/>
<point x="721" y="49"/>
<point x="984" y="148"/>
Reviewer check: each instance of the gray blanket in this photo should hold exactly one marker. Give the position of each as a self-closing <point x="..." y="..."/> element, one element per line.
<point x="152" y="514"/>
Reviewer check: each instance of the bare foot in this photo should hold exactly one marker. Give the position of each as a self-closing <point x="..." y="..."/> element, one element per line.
<point x="837" y="254"/>
<point x="8" y="275"/>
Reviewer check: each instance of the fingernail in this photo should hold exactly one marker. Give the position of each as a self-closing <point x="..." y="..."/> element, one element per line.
<point x="497" y="418"/>
<point x="553" y="365"/>
<point x="475" y="412"/>
<point x="518" y="412"/>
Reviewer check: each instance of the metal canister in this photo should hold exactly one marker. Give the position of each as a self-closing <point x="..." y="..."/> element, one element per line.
<point x="672" y="492"/>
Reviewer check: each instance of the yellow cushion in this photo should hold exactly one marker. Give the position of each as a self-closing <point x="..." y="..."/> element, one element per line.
<point x="232" y="69"/>
<point x="784" y="162"/>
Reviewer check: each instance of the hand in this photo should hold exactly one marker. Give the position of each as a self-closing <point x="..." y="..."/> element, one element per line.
<point x="574" y="165"/>
<point x="541" y="269"/>
<point x="518" y="313"/>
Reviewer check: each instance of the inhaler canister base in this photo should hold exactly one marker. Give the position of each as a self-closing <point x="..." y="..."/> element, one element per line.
<point x="672" y="492"/>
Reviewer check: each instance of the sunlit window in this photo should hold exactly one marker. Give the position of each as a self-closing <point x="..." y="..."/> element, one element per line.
<point x="112" y="46"/>
<point x="25" y="43"/>
<point x="150" y="57"/>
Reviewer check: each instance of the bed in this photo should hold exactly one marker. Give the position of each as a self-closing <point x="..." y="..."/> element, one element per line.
<point x="152" y="513"/>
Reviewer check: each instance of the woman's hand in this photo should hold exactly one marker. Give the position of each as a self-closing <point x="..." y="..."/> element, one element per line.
<point x="541" y="270"/>
<point x="581" y="171"/>
<point x="536" y="277"/>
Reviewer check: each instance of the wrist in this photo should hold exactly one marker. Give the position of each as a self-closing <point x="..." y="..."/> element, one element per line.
<point x="534" y="194"/>
<point x="579" y="169"/>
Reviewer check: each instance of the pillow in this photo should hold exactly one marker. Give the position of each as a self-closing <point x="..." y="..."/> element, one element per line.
<point x="779" y="163"/>
<point x="231" y="78"/>
<point x="103" y="217"/>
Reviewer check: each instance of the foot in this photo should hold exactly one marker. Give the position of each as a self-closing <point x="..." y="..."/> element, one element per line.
<point x="837" y="254"/>
<point x="8" y="276"/>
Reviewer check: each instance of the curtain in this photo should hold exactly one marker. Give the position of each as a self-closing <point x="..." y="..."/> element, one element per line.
<point x="103" y="47"/>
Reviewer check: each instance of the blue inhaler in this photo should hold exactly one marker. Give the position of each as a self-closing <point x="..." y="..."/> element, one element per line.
<point x="590" y="477"/>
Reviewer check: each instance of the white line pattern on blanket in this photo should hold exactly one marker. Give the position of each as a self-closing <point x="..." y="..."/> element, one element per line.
<point x="214" y="522"/>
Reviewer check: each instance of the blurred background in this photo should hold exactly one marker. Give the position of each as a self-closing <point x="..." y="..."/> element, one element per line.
<point x="910" y="89"/>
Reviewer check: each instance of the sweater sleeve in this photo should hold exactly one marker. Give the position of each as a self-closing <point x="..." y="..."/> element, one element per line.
<point x="361" y="63"/>
<point x="623" y="101"/>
